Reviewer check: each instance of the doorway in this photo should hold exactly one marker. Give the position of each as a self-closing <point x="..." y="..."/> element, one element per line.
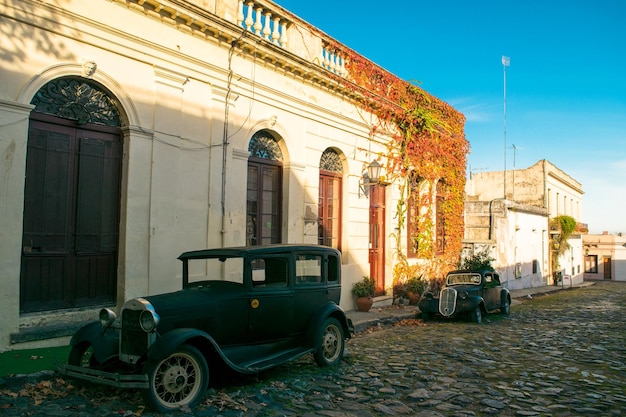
<point x="377" y="237"/>
<point x="607" y="268"/>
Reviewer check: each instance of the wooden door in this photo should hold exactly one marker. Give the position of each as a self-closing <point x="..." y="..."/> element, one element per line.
<point x="607" y="268"/>
<point x="263" y="202"/>
<point x="71" y="216"/>
<point x="377" y="237"/>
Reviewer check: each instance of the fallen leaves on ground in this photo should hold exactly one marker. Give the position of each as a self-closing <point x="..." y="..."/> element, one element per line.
<point x="221" y="401"/>
<point x="410" y="322"/>
<point x="57" y="387"/>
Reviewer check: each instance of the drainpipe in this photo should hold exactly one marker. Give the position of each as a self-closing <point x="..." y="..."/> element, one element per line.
<point x="225" y="136"/>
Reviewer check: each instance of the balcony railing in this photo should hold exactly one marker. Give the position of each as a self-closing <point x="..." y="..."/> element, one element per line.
<point x="263" y="18"/>
<point x="269" y="21"/>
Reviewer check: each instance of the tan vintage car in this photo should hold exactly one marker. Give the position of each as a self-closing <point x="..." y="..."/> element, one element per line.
<point x="470" y="293"/>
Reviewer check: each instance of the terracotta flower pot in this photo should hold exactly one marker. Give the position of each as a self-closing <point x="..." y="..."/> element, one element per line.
<point x="364" y="303"/>
<point x="413" y="298"/>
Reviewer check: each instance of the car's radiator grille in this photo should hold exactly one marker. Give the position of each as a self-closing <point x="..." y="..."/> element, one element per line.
<point x="447" y="301"/>
<point x="134" y="341"/>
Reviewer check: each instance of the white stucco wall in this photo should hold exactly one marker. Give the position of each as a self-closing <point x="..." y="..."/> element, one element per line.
<point x="522" y="253"/>
<point x="172" y="88"/>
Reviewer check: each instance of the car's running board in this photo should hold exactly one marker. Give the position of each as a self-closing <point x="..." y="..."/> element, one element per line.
<point x="267" y="362"/>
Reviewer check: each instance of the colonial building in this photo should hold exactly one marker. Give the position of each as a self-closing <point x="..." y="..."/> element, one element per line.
<point x="605" y="256"/>
<point x="134" y="130"/>
<point x="513" y="223"/>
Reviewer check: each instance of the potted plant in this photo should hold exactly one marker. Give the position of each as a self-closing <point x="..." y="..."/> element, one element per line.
<point x="364" y="293"/>
<point x="414" y="288"/>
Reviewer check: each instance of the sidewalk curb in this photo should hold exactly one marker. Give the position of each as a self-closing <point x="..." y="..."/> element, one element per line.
<point x="392" y="314"/>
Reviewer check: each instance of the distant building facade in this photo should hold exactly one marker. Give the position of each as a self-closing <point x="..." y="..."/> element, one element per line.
<point x="516" y="226"/>
<point x="605" y="257"/>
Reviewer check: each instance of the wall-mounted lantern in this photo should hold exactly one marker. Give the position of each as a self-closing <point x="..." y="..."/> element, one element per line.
<point x="370" y="177"/>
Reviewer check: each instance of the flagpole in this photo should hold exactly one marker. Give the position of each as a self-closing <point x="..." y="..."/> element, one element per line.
<point x="506" y="61"/>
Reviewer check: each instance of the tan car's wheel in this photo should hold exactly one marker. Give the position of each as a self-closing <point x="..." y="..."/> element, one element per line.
<point x="477" y="315"/>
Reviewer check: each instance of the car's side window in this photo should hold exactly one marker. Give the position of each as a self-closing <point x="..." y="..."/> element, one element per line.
<point x="491" y="281"/>
<point x="333" y="268"/>
<point x="496" y="280"/>
<point x="308" y="269"/>
<point x="270" y="272"/>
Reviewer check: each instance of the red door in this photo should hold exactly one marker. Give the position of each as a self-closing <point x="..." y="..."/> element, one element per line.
<point x="377" y="237"/>
<point x="71" y="216"/>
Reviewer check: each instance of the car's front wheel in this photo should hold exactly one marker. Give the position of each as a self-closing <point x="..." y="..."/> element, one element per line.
<point x="178" y="381"/>
<point x="426" y="316"/>
<point x="477" y="315"/>
<point x="330" y="343"/>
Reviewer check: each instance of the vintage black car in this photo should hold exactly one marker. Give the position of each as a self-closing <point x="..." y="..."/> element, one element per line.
<point x="249" y="308"/>
<point x="467" y="292"/>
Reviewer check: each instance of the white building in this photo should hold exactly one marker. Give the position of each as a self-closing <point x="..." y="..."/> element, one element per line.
<point x="514" y="222"/>
<point x="605" y="257"/>
<point x="134" y="130"/>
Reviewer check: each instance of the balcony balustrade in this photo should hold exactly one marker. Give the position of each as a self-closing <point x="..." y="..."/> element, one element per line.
<point x="264" y="19"/>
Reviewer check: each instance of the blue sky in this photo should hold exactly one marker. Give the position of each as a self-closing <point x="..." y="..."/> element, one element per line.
<point x="565" y="87"/>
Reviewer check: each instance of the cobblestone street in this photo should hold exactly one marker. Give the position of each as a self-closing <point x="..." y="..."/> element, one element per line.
<point x="559" y="354"/>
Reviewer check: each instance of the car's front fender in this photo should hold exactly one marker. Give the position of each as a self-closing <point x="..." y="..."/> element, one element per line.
<point x="429" y="304"/>
<point x="468" y="304"/>
<point x="104" y="342"/>
<point x="169" y="342"/>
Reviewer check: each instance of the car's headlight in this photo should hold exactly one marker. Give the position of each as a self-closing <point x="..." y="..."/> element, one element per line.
<point x="107" y="317"/>
<point x="148" y="320"/>
<point x="463" y="295"/>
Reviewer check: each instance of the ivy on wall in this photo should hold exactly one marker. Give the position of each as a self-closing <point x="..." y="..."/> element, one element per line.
<point x="428" y="142"/>
<point x="561" y="228"/>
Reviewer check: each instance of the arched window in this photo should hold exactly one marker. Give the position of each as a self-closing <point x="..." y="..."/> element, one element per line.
<point x="412" y="215"/>
<point x="329" y="203"/>
<point x="264" y="190"/>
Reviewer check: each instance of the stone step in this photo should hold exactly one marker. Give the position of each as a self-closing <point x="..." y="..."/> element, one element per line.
<point x="382" y="301"/>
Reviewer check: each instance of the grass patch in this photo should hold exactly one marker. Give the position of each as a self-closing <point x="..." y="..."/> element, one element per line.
<point x="28" y="361"/>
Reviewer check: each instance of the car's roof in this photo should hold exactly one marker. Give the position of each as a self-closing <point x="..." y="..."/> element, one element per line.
<point x="238" y="251"/>
<point x="472" y="271"/>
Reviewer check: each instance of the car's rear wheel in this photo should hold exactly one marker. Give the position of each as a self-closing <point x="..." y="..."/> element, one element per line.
<point x="178" y="381"/>
<point x="477" y="315"/>
<point x="506" y="307"/>
<point x="330" y="343"/>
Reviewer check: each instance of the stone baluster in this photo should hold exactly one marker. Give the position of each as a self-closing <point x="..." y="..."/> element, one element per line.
<point x="266" y="28"/>
<point x="249" y="21"/>
<point x="275" y="32"/>
<point x="258" y="26"/>
<point x="283" y="35"/>
<point x="240" y="15"/>
<point x="262" y="22"/>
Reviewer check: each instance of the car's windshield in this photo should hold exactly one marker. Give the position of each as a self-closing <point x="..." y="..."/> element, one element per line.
<point x="463" y="279"/>
<point x="216" y="269"/>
